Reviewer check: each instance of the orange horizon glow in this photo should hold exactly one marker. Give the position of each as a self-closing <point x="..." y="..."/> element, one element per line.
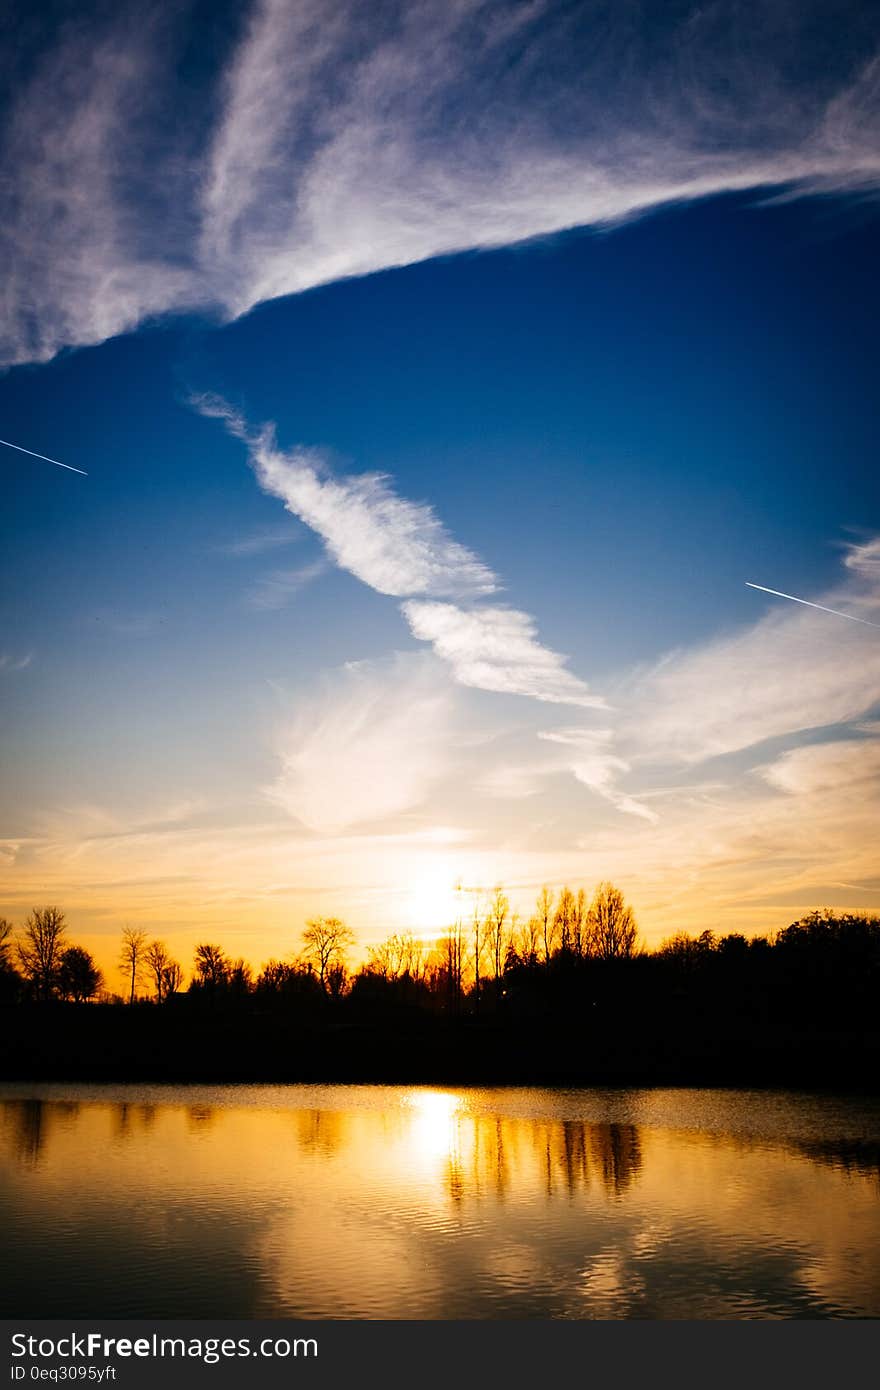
<point x="256" y="947"/>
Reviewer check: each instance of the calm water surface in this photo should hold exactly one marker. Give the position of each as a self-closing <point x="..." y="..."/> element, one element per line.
<point x="363" y="1202"/>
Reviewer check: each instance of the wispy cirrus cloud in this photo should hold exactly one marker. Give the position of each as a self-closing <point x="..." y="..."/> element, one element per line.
<point x="276" y="589"/>
<point x="793" y="687"/>
<point x="260" y="542"/>
<point x="400" y="548"/>
<point x="333" y="141"/>
<point x="595" y="765"/>
<point x="395" y="546"/>
<point x="792" y="670"/>
<point x="762" y="846"/>
<point x="795" y="671"/>
<point x="369" y="746"/>
<point x="796" y="681"/>
<point x="862" y="559"/>
<point x="742" y="844"/>
<point x="497" y="649"/>
<point x="8" y="662"/>
<point x="818" y="767"/>
<point x="81" y="238"/>
<point x="125" y="624"/>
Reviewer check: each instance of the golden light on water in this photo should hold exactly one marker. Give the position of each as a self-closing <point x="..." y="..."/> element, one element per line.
<point x="389" y="1202"/>
<point x="433" y="1131"/>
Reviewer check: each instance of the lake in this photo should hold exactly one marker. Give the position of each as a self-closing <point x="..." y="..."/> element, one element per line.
<point x="374" y="1201"/>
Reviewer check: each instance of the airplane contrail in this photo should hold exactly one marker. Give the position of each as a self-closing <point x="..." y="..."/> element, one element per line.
<point x="69" y="466"/>
<point x="822" y="609"/>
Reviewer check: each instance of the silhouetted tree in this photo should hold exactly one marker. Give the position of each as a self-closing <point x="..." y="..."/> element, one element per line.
<point x="326" y="941"/>
<point x="687" y="951"/>
<point x="497" y="920"/>
<point x="10" y="980"/>
<point x="829" y="964"/>
<point x="40" y="947"/>
<point x="724" y="1008"/>
<point x="397" y="956"/>
<point x="79" y="978"/>
<point x="132" y="957"/>
<point x="612" y="925"/>
<point x="528" y="940"/>
<point x="564" y="920"/>
<point x="479" y="945"/>
<point x="580" y="925"/>
<point x="5" y="943"/>
<point x="337" y="979"/>
<point x="274" y="977"/>
<point x="826" y="936"/>
<point x="445" y="970"/>
<point x="514" y="936"/>
<point x="212" y="967"/>
<point x="733" y="947"/>
<point x="239" y="978"/>
<point x="280" y="980"/>
<point x="157" y="961"/>
<point x="544" y="916"/>
<point x="172" y="979"/>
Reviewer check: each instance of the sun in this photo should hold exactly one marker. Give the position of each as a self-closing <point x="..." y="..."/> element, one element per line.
<point x="434" y="898"/>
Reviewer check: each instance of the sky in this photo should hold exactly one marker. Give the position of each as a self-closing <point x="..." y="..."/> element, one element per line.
<point x="443" y="373"/>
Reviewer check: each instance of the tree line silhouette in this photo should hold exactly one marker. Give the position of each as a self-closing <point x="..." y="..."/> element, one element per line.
<point x="473" y="957"/>
<point x="566" y="993"/>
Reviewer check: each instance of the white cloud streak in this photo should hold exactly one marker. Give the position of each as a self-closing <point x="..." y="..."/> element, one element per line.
<point x="399" y="548"/>
<point x="395" y="546"/>
<point x="336" y="140"/>
<point x="597" y="767"/>
<point x="863" y="559"/>
<point x="497" y="649"/>
<point x="795" y="670"/>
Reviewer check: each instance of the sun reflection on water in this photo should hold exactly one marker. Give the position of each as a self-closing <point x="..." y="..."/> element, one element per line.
<point x="430" y="1202"/>
<point x="434" y="1129"/>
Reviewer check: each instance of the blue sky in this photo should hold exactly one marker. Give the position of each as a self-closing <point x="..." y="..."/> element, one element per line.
<point x="631" y="366"/>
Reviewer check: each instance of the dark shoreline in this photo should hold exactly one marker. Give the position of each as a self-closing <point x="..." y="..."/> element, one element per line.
<point x="150" y="1045"/>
